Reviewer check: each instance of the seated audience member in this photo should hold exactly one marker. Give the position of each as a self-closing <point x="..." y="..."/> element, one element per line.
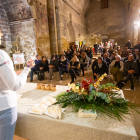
<point x="72" y="48"/>
<point x="44" y="66"/>
<point x="79" y="50"/>
<point x="54" y="55"/>
<point x="74" y="54"/>
<point x="85" y="50"/>
<point x="62" y="54"/>
<point x="104" y="50"/>
<point x="89" y="53"/>
<point x="68" y="55"/>
<point x="123" y="54"/>
<point x="74" y="67"/>
<point x="91" y="49"/>
<point x="53" y="67"/>
<point x="84" y="63"/>
<point x="35" y="68"/>
<point x="130" y="69"/>
<point x="137" y="46"/>
<point x="110" y="50"/>
<point x="115" y="46"/>
<point x="136" y="55"/>
<point x="107" y="54"/>
<point x="106" y="59"/>
<point x="127" y="57"/>
<point x="78" y="55"/>
<point x="70" y="51"/>
<point x="99" y="67"/>
<point x="63" y="67"/>
<point x="138" y="64"/>
<point x="119" y="52"/>
<point x="117" y="68"/>
<point x="128" y="44"/>
<point x="112" y="57"/>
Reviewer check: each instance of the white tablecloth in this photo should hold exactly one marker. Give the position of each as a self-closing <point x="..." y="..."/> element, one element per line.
<point x="70" y="127"/>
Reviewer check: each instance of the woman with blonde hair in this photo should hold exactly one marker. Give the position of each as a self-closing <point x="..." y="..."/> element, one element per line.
<point x="84" y="62"/>
<point x="74" y="67"/>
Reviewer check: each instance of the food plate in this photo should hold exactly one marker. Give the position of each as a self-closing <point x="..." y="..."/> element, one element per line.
<point x="38" y="109"/>
<point x="55" y="116"/>
<point x="48" y="101"/>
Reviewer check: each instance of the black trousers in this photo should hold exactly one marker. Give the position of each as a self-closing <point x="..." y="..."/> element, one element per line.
<point x="130" y="77"/>
<point x="82" y="68"/>
<point x="73" y="74"/>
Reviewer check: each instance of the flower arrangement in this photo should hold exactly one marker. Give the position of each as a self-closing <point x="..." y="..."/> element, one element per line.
<point x="104" y="99"/>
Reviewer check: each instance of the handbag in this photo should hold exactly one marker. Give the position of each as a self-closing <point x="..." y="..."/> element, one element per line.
<point x="41" y="77"/>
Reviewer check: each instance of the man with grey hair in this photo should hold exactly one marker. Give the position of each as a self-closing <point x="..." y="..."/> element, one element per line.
<point x="99" y="67"/>
<point x="130" y="69"/>
<point x="128" y="44"/>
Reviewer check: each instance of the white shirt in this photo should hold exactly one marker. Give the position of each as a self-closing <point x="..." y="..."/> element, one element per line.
<point x="9" y="82"/>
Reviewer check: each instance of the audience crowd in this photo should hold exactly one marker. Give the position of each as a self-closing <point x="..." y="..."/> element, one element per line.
<point x="121" y="63"/>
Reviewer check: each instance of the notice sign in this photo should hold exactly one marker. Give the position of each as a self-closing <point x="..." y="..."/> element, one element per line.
<point x="18" y="58"/>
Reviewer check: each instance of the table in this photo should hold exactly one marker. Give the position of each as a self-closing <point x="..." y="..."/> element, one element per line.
<point x="70" y="127"/>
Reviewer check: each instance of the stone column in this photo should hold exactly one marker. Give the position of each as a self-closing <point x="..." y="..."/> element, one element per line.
<point x="135" y="36"/>
<point x="52" y="26"/>
<point x="58" y="24"/>
<point x="139" y="34"/>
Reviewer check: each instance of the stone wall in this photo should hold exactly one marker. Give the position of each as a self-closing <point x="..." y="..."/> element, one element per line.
<point x="21" y="25"/>
<point x="39" y="8"/>
<point x="23" y="36"/>
<point x="4" y="27"/>
<point x="132" y="14"/>
<point x="109" y="21"/>
<point x="73" y="22"/>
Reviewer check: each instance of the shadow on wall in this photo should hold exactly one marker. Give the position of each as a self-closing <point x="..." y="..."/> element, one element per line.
<point x="71" y="30"/>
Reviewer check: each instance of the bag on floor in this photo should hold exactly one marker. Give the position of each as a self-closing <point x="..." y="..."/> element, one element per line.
<point x="41" y="77"/>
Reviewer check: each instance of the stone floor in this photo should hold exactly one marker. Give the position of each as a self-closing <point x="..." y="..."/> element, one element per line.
<point x="130" y="95"/>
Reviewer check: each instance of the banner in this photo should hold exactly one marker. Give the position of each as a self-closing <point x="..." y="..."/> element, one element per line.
<point x="18" y="58"/>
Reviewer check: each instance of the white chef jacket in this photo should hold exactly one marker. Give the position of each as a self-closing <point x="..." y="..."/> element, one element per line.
<point x="9" y="81"/>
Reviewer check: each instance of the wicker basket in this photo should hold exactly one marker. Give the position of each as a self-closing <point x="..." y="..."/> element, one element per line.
<point x="39" y="86"/>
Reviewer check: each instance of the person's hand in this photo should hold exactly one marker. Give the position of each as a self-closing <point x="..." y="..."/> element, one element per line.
<point x="41" y="68"/>
<point x="73" y="66"/>
<point x="95" y="74"/>
<point x="51" y="66"/>
<point x="130" y="71"/>
<point x="31" y="63"/>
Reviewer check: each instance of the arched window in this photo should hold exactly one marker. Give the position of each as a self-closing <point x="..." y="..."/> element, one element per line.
<point x="104" y="4"/>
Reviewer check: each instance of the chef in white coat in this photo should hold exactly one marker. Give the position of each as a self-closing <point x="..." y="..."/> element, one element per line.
<point x="9" y="84"/>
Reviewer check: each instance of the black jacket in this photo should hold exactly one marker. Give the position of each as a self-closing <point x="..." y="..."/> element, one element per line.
<point x="45" y="66"/>
<point x="96" y="69"/>
<point x="130" y="66"/>
<point x="89" y="54"/>
<point x="96" y="46"/>
<point x="137" y="47"/>
<point x="115" y="46"/>
<point x="63" y="64"/>
<point x="69" y="56"/>
<point x="128" y="44"/>
<point x="55" y="64"/>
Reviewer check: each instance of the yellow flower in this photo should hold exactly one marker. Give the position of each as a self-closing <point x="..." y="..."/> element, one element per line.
<point x="76" y="89"/>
